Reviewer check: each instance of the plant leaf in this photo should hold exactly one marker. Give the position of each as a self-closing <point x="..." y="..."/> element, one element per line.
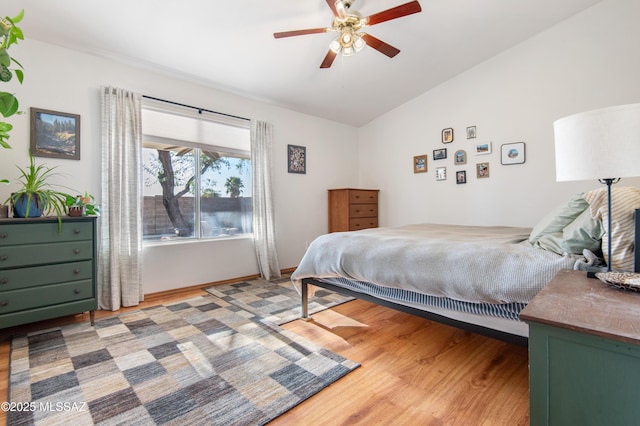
<point x="18" y="17"/>
<point x="8" y="104"/>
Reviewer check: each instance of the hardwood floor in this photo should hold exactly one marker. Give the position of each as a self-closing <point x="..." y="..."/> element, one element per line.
<point x="413" y="371"/>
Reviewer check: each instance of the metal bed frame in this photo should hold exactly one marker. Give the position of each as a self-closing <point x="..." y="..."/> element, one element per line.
<point x="474" y="328"/>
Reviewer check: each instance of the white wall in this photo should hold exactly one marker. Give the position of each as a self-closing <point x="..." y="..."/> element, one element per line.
<point x="63" y="80"/>
<point x="587" y="62"/>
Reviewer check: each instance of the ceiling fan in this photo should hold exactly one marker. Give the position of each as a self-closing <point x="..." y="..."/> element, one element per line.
<point x="348" y="23"/>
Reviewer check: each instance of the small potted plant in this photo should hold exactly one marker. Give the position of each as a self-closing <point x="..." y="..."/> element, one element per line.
<point x="82" y="205"/>
<point x="37" y="196"/>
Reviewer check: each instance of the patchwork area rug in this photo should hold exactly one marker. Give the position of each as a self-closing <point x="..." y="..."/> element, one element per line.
<point x="201" y="361"/>
<point x="275" y="300"/>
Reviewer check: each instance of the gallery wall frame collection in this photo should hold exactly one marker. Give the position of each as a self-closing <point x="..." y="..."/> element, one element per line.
<point x="510" y="154"/>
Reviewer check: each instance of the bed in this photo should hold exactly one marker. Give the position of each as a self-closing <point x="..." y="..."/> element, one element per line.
<point x="477" y="278"/>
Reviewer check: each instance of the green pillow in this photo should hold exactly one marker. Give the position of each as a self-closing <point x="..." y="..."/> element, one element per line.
<point x="559" y="218"/>
<point x="583" y="233"/>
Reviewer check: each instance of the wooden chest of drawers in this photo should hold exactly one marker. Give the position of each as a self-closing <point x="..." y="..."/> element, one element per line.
<point x="46" y="271"/>
<point x="352" y="209"/>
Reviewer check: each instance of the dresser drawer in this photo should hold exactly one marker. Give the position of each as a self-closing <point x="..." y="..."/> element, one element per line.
<point x="35" y="297"/>
<point x="42" y="254"/>
<point x="362" y="197"/>
<point x="35" y="233"/>
<point x="12" y="279"/>
<point x="363" y="223"/>
<point x="363" y="210"/>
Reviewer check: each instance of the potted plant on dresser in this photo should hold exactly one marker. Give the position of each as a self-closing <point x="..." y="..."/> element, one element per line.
<point x="82" y="205"/>
<point x="10" y="33"/>
<point x="37" y="195"/>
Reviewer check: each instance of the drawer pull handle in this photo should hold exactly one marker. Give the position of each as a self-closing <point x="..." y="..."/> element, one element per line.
<point x="4" y="257"/>
<point x="76" y="271"/>
<point x="76" y="251"/>
<point x="4" y="303"/>
<point x="76" y="291"/>
<point x="4" y="280"/>
<point x="76" y="231"/>
<point x="4" y="235"/>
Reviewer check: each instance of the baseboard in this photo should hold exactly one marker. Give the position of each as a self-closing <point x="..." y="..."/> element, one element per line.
<point x="162" y="294"/>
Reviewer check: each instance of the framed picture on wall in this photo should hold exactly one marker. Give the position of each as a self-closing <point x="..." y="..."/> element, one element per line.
<point x="447" y="135"/>
<point x="512" y="153"/>
<point x="461" y="176"/>
<point x="440" y="154"/>
<point x="482" y="170"/>
<point x="471" y="132"/>
<point x="297" y="159"/>
<point x="483" y="148"/>
<point x="460" y="157"/>
<point x="441" y="173"/>
<point x="55" y="134"/>
<point x="420" y="164"/>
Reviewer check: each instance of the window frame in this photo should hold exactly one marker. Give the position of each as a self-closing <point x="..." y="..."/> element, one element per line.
<point x="198" y="148"/>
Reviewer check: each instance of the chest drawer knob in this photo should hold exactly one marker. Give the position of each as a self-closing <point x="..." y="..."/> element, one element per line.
<point x="4" y="303"/>
<point x="76" y="231"/>
<point x="3" y="235"/>
<point x="76" y="251"/>
<point x="4" y="257"/>
<point x="76" y="291"/>
<point x="76" y="271"/>
<point x="4" y="280"/>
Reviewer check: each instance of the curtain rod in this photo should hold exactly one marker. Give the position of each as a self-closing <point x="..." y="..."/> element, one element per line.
<point x="200" y="110"/>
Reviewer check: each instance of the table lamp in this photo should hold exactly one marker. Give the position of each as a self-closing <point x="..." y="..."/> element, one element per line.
<point x="603" y="145"/>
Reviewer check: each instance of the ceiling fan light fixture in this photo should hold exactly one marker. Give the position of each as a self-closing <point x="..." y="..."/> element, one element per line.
<point x="358" y="43"/>
<point x="347" y="51"/>
<point x="335" y="46"/>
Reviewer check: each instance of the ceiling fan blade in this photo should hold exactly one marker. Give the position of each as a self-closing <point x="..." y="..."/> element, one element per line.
<point x="328" y="60"/>
<point x="338" y="9"/>
<point x="301" y="32"/>
<point x="393" y="13"/>
<point x="380" y="45"/>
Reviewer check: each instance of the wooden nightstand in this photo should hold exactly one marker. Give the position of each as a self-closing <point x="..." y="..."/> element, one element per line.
<point x="584" y="353"/>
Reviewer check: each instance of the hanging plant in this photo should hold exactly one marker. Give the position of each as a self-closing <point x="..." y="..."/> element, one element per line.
<point x="10" y="33"/>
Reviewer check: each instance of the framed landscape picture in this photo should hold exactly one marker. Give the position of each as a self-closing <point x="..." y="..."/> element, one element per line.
<point x="440" y="154"/>
<point x="55" y="134"/>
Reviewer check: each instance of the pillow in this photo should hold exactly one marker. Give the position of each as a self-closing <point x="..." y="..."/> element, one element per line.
<point x="583" y="233"/>
<point x="556" y="220"/>
<point x="624" y="201"/>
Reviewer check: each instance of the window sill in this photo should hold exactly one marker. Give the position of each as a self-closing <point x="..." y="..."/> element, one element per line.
<point x="172" y="242"/>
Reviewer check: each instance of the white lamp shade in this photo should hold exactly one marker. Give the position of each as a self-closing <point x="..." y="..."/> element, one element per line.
<point x="599" y="144"/>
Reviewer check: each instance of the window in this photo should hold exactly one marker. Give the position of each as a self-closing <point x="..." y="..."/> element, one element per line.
<point x="197" y="177"/>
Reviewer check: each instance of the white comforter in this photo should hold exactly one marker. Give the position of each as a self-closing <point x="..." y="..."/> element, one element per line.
<point x="468" y="263"/>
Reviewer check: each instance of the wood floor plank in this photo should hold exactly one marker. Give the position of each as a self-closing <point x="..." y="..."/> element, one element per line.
<point x="413" y="371"/>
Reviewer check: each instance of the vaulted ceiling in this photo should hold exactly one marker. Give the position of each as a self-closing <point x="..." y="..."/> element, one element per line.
<point x="230" y="45"/>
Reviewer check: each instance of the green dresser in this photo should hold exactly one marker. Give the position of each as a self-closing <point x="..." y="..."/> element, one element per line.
<point x="584" y="353"/>
<point x="47" y="271"/>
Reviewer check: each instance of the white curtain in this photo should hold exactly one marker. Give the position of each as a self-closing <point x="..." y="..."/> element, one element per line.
<point x="119" y="266"/>
<point x="264" y="235"/>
